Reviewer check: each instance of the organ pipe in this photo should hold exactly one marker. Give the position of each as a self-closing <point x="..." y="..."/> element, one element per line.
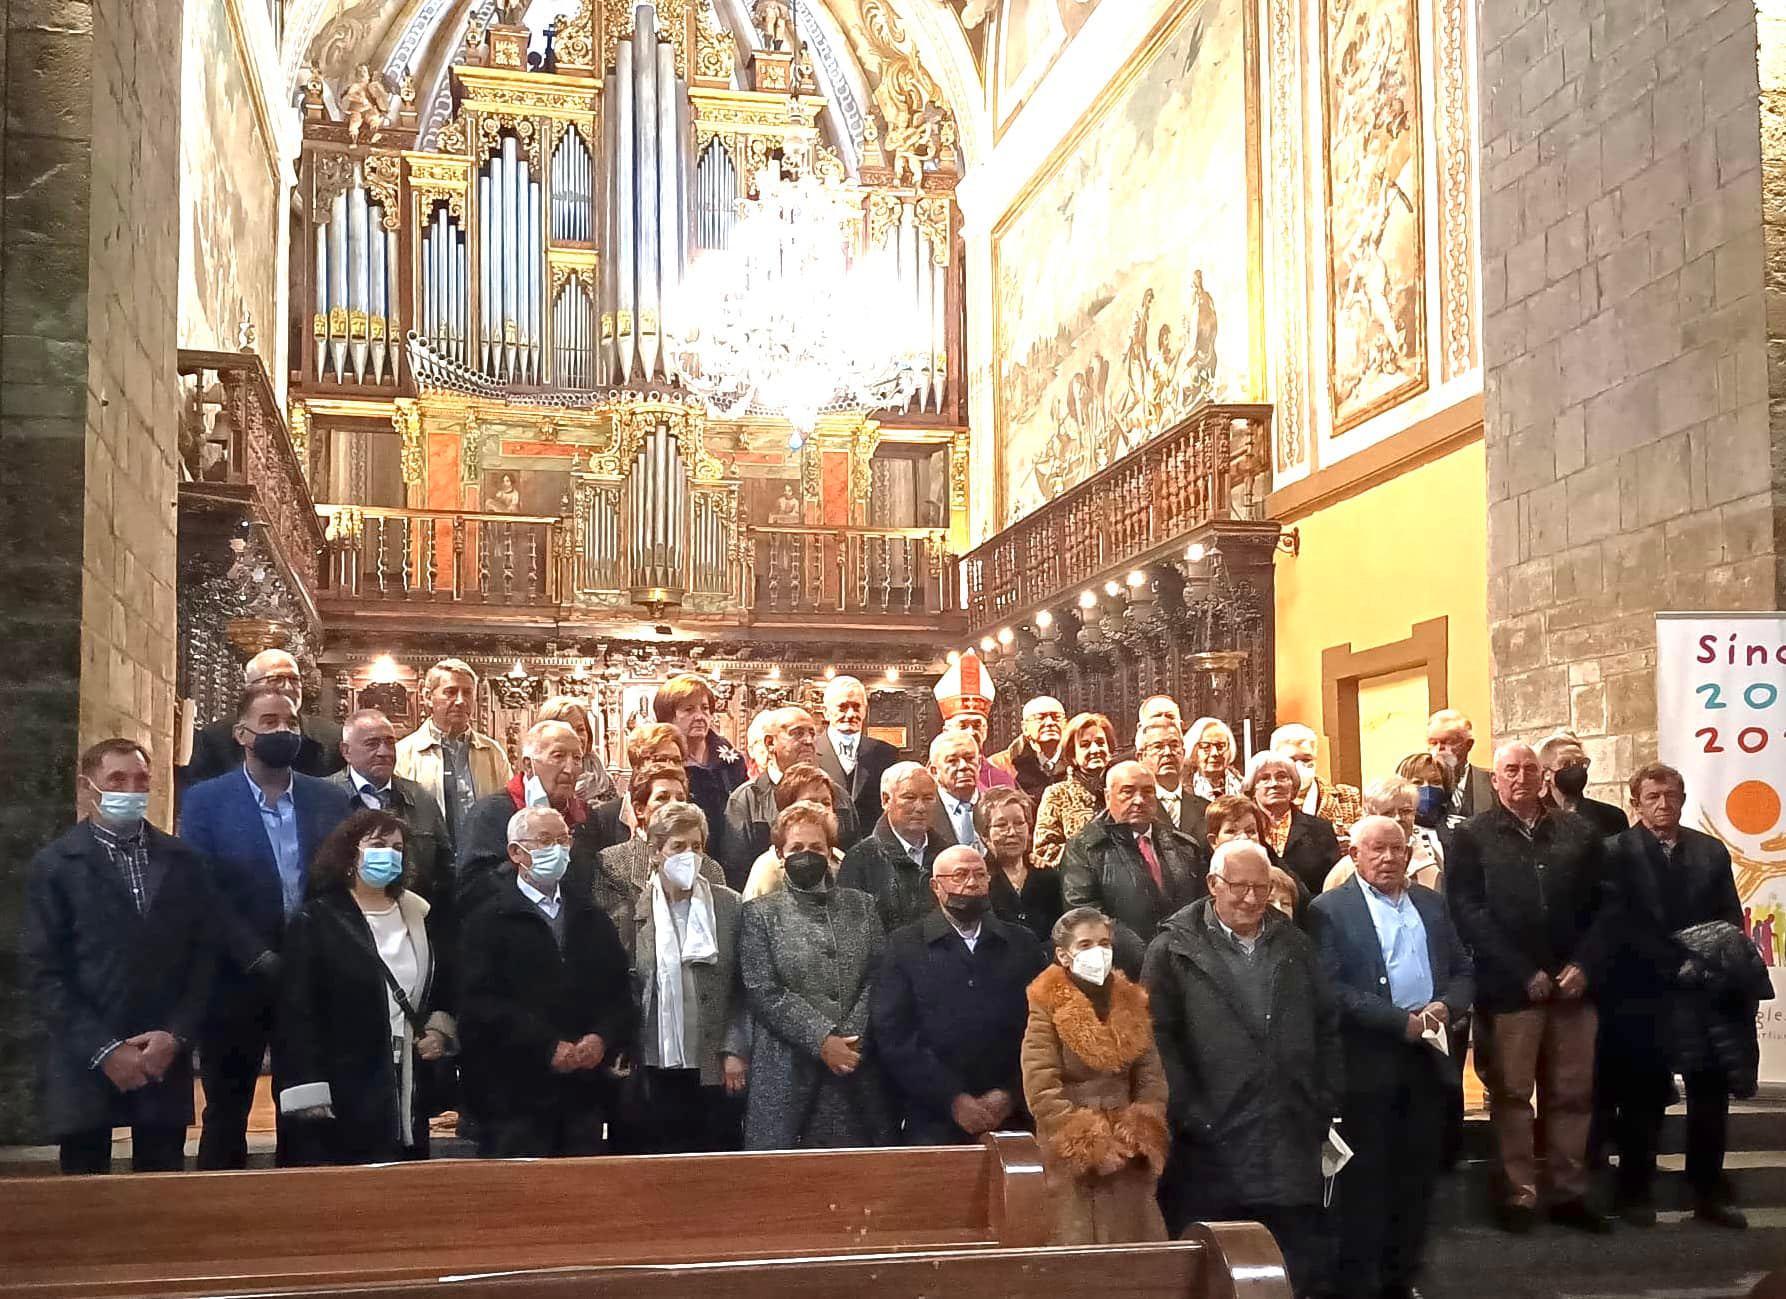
<point x="623" y="244"/>
<point x="356" y="288"/>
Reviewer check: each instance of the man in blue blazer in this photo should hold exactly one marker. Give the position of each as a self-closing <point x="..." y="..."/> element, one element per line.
<point x="259" y="825"/>
<point x="1402" y="980"/>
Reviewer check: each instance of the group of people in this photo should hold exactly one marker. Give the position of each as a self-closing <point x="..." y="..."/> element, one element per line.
<point x="1214" y="991"/>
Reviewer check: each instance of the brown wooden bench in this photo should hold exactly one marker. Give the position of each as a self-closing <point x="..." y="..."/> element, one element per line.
<point x="668" y="1225"/>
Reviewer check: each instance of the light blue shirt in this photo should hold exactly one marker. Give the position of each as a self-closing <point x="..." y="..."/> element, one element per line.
<point x="1401" y="935"/>
<point x="961" y="817"/>
<point x="280" y="820"/>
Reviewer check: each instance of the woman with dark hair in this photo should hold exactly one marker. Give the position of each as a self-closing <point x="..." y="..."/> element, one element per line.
<point x="625" y="869"/>
<point x="1068" y="806"/>
<point x="715" y="768"/>
<point x="1022" y="893"/>
<point x="363" y="1003"/>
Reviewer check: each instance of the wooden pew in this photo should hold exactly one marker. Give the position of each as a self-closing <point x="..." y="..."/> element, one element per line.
<point x="388" y="1228"/>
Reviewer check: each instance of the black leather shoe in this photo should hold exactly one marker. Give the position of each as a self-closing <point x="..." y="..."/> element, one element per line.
<point x="1719" y="1214"/>
<point x="1516" y="1218"/>
<point x="1638" y="1214"/>
<point x="1578" y="1214"/>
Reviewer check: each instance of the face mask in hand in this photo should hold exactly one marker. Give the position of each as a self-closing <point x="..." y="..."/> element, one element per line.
<point x="966" y="908"/>
<point x="121" y="809"/>
<point x="278" y="749"/>
<point x="680" y="869"/>
<point x="805" y="870"/>
<point x="1092" y="964"/>
<point x="547" y="865"/>
<point x="1571" y="781"/>
<point x="1430" y="810"/>
<point x="381" y="867"/>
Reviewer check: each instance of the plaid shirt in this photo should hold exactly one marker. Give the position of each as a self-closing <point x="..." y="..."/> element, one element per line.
<point x="131" y="857"/>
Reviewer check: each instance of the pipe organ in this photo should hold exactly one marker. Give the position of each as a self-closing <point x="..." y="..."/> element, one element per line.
<point x="356" y="332"/>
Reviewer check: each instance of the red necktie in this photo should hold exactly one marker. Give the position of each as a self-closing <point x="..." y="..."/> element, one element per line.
<point x="1148" y="855"/>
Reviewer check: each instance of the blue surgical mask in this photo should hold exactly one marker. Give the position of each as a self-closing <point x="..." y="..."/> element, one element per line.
<point x="381" y="867"/>
<point x="1431" y="807"/>
<point x="547" y="865"/>
<point x="121" y="809"/>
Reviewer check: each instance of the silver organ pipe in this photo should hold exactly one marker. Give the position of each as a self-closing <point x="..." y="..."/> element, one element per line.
<point x="533" y="265"/>
<point x="356" y="289"/>
<point x="571" y="190"/>
<point x="650" y="232"/>
<point x="338" y="317"/>
<point x="486" y="272"/>
<point x="376" y="277"/>
<point x="320" y="330"/>
<point x="506" y="258"/>
<point x="393" y="333"/>
<point x="716" y="205"/>
<point x="358" y="280"/>
<point x="445" y="272"/>
<point x="623" y="244"/>
<point x="511" y="265"/>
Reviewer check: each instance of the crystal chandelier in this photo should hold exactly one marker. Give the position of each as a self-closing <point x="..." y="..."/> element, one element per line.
<point x="797" y="315"/>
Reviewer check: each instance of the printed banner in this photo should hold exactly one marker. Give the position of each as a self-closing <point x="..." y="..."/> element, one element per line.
<point x="1721" y="719"/>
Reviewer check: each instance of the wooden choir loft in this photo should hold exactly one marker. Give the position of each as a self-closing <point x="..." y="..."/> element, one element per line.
<point x="493" y="449"/>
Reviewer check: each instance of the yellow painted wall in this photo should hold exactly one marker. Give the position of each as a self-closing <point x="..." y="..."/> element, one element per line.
<point x="1374" y="564"/>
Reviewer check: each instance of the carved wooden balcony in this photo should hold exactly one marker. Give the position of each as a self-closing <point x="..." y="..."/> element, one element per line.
<point x="395" y="556"/>
<point x="854" y="575"/>
<point x="1213" y="467"/>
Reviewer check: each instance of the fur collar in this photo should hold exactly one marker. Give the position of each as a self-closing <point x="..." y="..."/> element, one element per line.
<point x="1108" y="1045"/>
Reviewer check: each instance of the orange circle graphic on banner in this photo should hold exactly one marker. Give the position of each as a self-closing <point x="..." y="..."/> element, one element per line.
<point x="1753" y="807"/>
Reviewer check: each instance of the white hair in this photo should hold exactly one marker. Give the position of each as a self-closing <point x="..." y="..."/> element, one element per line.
<point x="1293" y="733"/>
<point x="1449" y="719"/>
<point x="1236" y="848"/>
<point x="1216" y="724"/>
<point x="1263" y="759"/>
<point x="540" y="734"/>
<point x="258" y="665"/>
<point x="1365" y="824"/>
<point x="1380" y="793"/>
<point x="1159" y="724"/>
<point x="952" y="735"/>
<point x="521" y="821"/>
<point x="900" y="772"/>
<point x="837" y="685"/>
<point x="1511" y="745"/>
<point x="1041" y="704"/>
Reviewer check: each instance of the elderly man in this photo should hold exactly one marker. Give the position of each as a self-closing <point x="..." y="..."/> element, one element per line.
<point x="792" y="738"/>
<point x="545" y="999"/>
<point x="1669" y="878"/>
<point x="1159" y="746"/>
<point x="1566" y="767"/>
<point x="1034" y="760"/>
<point x="214" y="747"/>
<point x="1402" y="979"/>
<point x="849" y="755"/>
<point x="1131" y="866"/>
<point x="447" y="757"/>
<point x="955" y="766"/>
<point x="964" y="697"/>
<point x="949" y="1009"/>
<point x="551" y="761"/>
<point x="893" y="865"/>
<point x="116" y="960"/>
<point x="259" y="826"/>
<point x="1449" y="738"/>
<point x="369" y="744"/>
<point x="1337" y="804"/>
<point x="1527" y="888"/>
<point x="1249" y="1036"/>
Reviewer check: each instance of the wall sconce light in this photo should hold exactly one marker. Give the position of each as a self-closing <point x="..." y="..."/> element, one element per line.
<point x="1044" y="621"/>
<point x="1112" y="590"/>
<point x="987" y="645"/>
<point x="892" y="674"/>
<point x="384" y="670"/>
<point x="519" y="671"/>
<point x="1290" y="541"/>
<point x="1137" y="579"/>
<point x="1088" y="599"/>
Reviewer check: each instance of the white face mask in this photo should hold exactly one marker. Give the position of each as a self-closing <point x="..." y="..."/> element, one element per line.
<point x="1093" y="965"/>
<point x="680" y="869"/>
<point x="534" y="792"/>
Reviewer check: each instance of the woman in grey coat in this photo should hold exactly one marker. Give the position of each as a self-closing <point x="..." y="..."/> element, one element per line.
<point x="808" y="954"/>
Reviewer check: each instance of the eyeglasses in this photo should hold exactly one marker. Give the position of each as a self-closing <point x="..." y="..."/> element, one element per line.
<point x="1245" y="890"/>
<point x="1158" y="750"/>
<point x="278" y="679"/>
<point x="963" y="876"/>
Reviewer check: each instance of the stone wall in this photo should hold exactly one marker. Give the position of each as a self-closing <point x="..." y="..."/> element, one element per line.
<point x="1631" y="462"/>
<point x="89" y="127"/>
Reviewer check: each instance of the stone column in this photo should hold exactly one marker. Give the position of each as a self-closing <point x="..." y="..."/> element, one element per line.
<point x="1634" y="461"/>
<point x="89" y="419"/>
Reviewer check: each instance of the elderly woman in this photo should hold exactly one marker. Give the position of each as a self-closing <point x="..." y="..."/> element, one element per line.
<point x="1093" y="1079"/>
<point x="1213" y="754"/>
<point x="693" y="1039"/>
<point x="594" y="784"/>
<point x="626" y="868"/>
<point x="809" y="952"/>
<point x="1021" y="894"/>
<point x="801" y="783"/>
<point x="1304" y="845"/>
<point x="807" y="826"/>
<point x="1398" y="800"/>
<point x="362" y="1003"/>
<point x="1068" y="806"/>
<point x="715" y="768"/>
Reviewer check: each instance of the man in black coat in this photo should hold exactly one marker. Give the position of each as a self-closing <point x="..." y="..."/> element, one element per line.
<point x="1403" y="981"/>
<point x="949" y="1009"/>
<point x="893" y="864"/>
<point x="792" y="737"/>
<point x="1450" y="738"/>
<point x="1159" y="746"/>
<point x="369" y="745"/>
<point x="214" y="747"/>
<point x="545" y="1001"/>
<point x="854" y="759"/>
<point x="116" y="961"/>
<point x="1130" y="866"/>
<point x="1669" y="878"/>
<point x="1566" y="768"/>
<point x="1528" y="890"/>
<point x="1249" y="1038"/>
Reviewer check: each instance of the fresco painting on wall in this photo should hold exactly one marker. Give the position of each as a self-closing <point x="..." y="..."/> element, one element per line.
<point x="1030" y="36"/>
<point x="1125" y="281"/>
<point x="536" y="492"/>
<point x="1376" y="217"/>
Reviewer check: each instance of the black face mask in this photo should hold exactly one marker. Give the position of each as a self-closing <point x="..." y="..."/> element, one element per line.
<point x="805" y="870"/>
<point x="278" y="749"/>
<point x="1571" y="781"/>
<point x="966" y="908"/>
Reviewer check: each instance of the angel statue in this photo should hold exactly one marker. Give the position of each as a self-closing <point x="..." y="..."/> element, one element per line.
<point x="367" y="104"/>
<point x="511" y="13"/>
<point x="775" y="23"/>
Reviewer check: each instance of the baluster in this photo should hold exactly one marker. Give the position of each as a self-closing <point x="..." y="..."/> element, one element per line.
<point x="773" y="570"/>
<point x="484" y="560"/>
<point x="796" y="571"/>
<point x="886" y="552"/>
<point x="911" y="569"/>
<point x="381" y="554"/>
<point x="533" y="559"/>
<point x="458" y="557"/>
<point x="408" y="556"/>
<point x="430" y="563"/>
<point x="508" y="561"/>
<point x="815" y="550"/>
<point x="843" y="571"/>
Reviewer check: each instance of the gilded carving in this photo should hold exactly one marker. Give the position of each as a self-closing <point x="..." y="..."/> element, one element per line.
<point x="883" y="215"/>
<point x="933" y="220"/>
<point x="333" y="173"/>
<point x="959" y="449"/>
<point x="471" y="451"/>
<point x="864" y="438"/>
<point x="406" y="418"/>
<point x="298" y="424"/>
<point x="672" y="18"/>
<point x="382" y="172"/>
<point x="451" y="136"/>
<point x="439" y="180"/>
<point x="716" y="57"/>
<point x="1457" y="205"/>
<point x="811" y="480"/>
<point x="490" y="128"/>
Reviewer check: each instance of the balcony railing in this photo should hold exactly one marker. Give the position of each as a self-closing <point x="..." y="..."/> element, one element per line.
<point x="870" y="572"/>
<point x="1214" y="466"/>
<point x="442" y="556"/>
<point x="235" y="452"/>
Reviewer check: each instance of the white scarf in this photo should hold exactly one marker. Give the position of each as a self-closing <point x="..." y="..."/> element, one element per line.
<point x="699" y="945"/>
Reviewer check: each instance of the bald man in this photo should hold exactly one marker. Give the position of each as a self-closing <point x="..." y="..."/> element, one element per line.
<point x="848" y="753"/>
<point x="214" y="747"/>
<point x="551" y="761"/>
<point x="1528" y="889"/>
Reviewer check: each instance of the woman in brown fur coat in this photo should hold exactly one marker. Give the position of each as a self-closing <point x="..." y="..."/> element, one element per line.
<point x="1092" y="1078"/>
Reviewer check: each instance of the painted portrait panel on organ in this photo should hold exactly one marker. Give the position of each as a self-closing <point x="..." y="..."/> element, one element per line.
<point x="1126" y="281"/>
